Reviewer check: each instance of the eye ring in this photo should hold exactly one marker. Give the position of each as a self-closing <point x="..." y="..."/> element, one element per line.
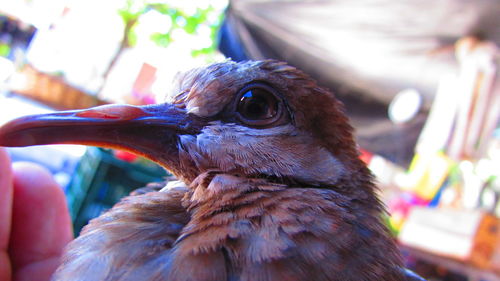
<point x="259" y="105"/>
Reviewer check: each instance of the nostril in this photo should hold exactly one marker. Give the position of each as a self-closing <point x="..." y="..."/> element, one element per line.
<point x="97" y="115"/>
<point x="113" y="112"/>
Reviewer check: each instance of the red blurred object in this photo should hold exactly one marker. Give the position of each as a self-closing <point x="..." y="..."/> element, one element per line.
<point x="125" y="156"/>
<point x="365" y="156"/>
<point x="141" y="90"/>
<point x="403" y="203"/>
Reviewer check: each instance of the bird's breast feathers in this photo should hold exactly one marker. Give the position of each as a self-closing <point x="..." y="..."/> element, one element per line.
<point x="254" y="230"/>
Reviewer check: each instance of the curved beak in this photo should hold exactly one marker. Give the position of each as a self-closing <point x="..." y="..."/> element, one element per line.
<point x="151" y="131"/>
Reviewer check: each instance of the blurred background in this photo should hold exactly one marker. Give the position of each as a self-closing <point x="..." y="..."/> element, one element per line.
<point x="419" y="79"/>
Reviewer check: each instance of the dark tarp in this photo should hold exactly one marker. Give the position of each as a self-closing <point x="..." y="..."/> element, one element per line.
<point x="366" y="51"/>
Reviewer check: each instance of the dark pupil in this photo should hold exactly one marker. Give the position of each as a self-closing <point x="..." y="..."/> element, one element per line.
<point x="257" y="104"/>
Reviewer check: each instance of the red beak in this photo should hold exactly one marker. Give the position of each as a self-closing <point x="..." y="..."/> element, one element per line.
<point x="151" y="131"/>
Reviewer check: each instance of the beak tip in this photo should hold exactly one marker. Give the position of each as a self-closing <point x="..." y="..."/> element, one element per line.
<point x="15" y="140"/>
<point x="5" y="140"/>
<point x="13" y="135"/>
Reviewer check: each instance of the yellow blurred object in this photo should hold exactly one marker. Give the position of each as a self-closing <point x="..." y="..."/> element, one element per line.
<point x="427" y="174"/>
<point x="396" y="221"/>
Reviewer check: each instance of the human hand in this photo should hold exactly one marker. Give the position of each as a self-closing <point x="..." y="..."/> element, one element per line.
<point x="34" y="222"/>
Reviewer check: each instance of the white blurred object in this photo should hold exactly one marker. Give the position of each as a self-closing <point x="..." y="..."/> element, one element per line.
<point x="39" y="13"/>
<point x="12" y="106"/>
<point x="478" y="108"/>
<point x="441" y="231"/>
<point x="439" y="124"/>
<point x="6" y="70"/>
<point x="77" y="47"/>
<point x="405" y="106"/>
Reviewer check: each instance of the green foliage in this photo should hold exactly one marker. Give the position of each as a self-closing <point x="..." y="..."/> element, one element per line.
<point x="214" y="29"/>
<point x="161" y="39"/>
<point x="4" y="50"/>
<point x="179" y="19"/>
<point x="130" y="14"/>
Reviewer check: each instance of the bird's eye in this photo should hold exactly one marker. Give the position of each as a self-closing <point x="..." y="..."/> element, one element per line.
<point x="258" y="105"/>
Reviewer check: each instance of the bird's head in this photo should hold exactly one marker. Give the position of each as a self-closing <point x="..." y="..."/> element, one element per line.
<point x="256" y="119"/>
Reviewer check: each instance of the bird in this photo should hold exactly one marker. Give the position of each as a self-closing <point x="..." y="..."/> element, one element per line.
<point x="270" y="184"/>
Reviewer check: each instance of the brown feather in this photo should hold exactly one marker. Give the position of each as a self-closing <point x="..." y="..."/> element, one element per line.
<point x="290" y="202"/>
